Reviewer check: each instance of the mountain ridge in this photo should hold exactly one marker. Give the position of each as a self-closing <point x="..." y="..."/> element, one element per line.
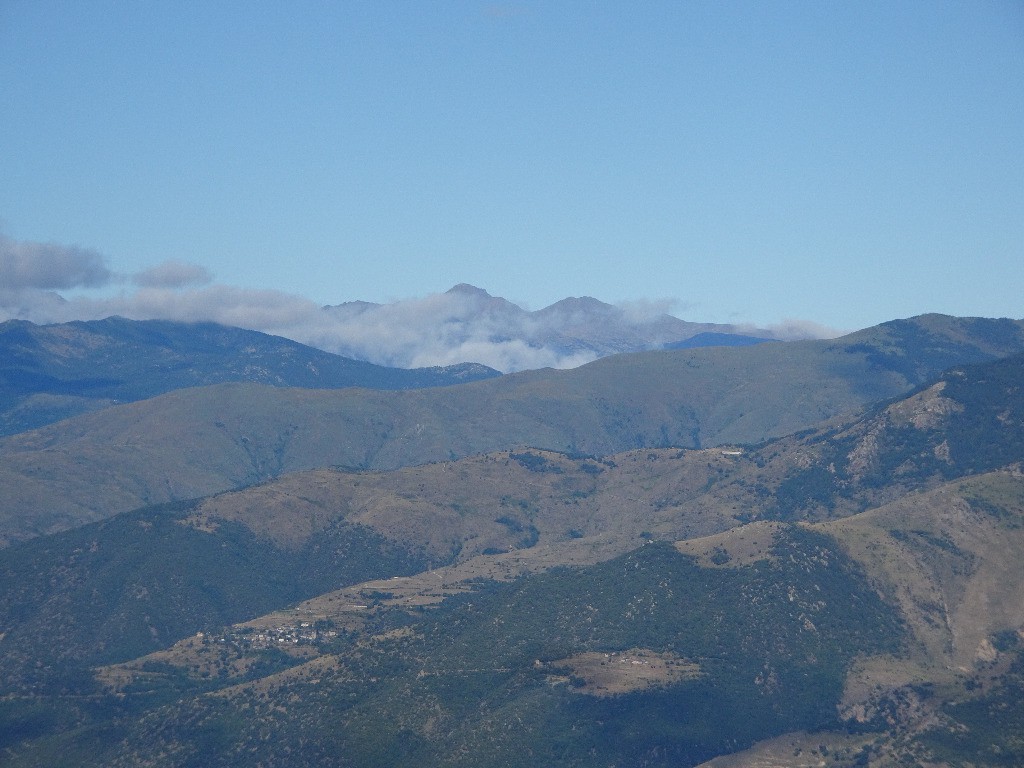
<point x="51" y="372"/>
<point x="124" y="457"/>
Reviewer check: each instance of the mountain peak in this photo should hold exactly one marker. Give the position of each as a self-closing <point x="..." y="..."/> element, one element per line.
<point x="465" y="289"/>
<point x="578" y="304"/>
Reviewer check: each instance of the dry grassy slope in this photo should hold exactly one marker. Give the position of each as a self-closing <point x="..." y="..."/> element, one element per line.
<point x="194" y="442"/>
<point x="950" y="558"/>
<point x="505" y="515"/>
<point x="733" y="548"/>
<point x="494" y="502"/>
<point x="797" y="750"/>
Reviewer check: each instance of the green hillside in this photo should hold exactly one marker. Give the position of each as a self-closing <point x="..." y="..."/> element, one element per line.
<point x="124" y="587"/>
<point x="487" y="679"/>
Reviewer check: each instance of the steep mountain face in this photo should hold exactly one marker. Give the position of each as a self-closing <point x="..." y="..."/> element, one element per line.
<point x="195" y="442"/>
<point x="51" y="372"/>
<point x="949" y="558"/>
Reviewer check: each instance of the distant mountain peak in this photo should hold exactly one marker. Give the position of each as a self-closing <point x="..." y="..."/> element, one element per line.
<point x="465" y="289"/>
<point x="481" y="301"/>
<point x="579" y="304"/>
<point x="468" y="323"/>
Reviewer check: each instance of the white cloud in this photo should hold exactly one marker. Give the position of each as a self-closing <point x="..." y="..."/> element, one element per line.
<point x="48" y="266"/>
<point x="790" y="329"/>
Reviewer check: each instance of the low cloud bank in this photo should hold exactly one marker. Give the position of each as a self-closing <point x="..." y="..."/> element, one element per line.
<point x="465" y="324"/>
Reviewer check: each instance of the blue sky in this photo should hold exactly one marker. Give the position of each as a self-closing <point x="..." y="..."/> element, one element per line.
<point x="837" y="162"/>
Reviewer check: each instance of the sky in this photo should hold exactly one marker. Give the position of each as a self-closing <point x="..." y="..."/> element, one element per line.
<point x="838" y="163"/>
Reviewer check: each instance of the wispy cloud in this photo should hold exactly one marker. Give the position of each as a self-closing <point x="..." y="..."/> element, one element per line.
<point x="465" y="324"/>
<point x="647" y="310"/>
<point x="172" y="274"/>
<point x="791" y="329"/>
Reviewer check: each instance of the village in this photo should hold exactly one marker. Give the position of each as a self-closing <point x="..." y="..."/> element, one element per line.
<point x="303" y="633"/>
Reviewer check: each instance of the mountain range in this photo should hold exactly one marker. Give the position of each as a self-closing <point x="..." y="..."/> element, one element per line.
<point x="796" y="553"/>
<point x="468" y="323"/>
<point x="201" y="440"/>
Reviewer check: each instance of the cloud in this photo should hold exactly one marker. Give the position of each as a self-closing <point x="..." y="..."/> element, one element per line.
<point x="263" y="310"/>
<point x="646" y="310"/>
<point x="439" y="329"/>
<point x="48" y="266"/>
<point x="789" y="329"/>
<point x="172" y="274"/>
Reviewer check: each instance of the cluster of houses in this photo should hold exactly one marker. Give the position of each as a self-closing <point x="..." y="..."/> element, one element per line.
<point x="282" y="636"/>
